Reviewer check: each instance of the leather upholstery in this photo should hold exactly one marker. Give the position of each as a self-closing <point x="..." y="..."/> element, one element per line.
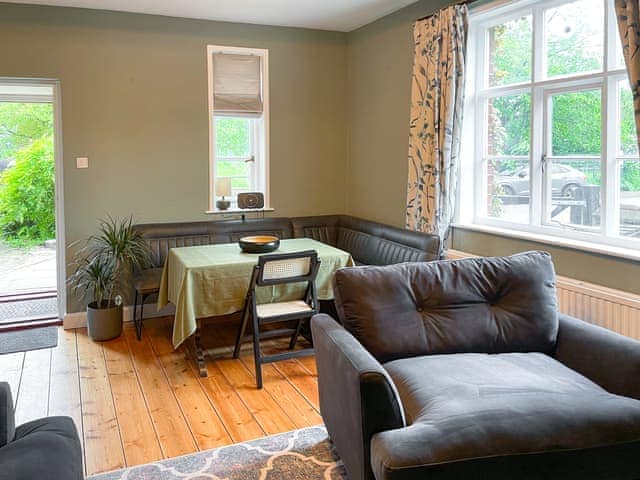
<point x="596" y="353"/>
<point x="365" y="403"/>
<point x="147" y="281"/>
<point x="44" y="448"/>
<point x="488" y="305"/>
<point x="7" y="418"/>
<point x="492" y="382"/>
<point x="368" y="242"/>
<point x="468" y="407"/>
<point x="163" y="236"/>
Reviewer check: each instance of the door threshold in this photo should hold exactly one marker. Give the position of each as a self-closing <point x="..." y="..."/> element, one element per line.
<point x="30" y="295"/>
<point x="30" y="323"/>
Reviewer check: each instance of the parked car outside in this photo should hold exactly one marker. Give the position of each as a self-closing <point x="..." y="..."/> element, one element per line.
<point x="564" y="181"/>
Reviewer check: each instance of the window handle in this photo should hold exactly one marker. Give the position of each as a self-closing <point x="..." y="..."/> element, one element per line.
<point x="543" y="161"/>
<point x="250" y="159"/>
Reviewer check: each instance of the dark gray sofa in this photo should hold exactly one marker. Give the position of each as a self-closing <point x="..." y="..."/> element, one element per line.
<point x="44" y="448"/>
<point x="465" y="370"/>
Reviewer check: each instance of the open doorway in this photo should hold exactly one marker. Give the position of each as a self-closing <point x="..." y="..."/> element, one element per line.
<point x="29" y="227"/>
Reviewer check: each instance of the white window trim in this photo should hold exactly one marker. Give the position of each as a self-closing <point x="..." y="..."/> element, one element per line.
<point x="262" y="146"/>
<point x="471" y="186"/>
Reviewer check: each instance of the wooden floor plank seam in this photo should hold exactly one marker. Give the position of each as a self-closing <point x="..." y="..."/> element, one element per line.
<point x="295" y="386"/>
<point x="16" y="394"/>
<point x="200" y="386"/>
<point x="146" y="401"/>
<point x="108" y="386"/>
<point x="113" y="400"/>
<point x="193" y="364"/>
<point x="84" y="450"/>
<point x="229" y="351"/>
<point x="168" y="383"/>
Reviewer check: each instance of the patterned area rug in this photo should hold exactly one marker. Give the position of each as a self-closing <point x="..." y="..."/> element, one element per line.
<point x="303" y="454"/>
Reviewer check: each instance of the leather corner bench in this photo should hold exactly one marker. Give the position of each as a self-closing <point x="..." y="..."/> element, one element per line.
<point x="369" y="243"/>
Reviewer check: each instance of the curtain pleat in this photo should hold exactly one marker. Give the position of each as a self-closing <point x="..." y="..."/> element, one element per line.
<point x="437" y="98"/>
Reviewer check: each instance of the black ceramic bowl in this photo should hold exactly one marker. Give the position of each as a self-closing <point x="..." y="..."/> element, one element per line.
<point x="259" y="244"/>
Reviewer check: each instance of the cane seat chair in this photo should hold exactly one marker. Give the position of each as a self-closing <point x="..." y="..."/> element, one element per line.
<point x="272" y="270"/>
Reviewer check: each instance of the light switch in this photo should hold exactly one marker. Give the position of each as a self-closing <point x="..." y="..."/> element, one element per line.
<point x="82" y="162"/>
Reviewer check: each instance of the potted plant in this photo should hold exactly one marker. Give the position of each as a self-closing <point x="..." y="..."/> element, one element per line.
<point x="102" y="274"/>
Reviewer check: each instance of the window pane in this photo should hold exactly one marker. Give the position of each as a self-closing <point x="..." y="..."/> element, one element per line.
<point x="630" y="199"/>
<point x="628" y="140"/>
<point x="574" y="37"/>
<point x="510" y="52"/>
<point x="233" y="137"/>
<point x="575" y="193"/>
<point x="509" y="125"/>
<point x="508" y="189"/>
<point x="228" y="168"/>
<point x="576" y="123"/>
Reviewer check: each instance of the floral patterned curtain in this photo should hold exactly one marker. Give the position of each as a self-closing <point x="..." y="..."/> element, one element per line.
<point x="436" y="119"/>
<point x="629" y="29"/>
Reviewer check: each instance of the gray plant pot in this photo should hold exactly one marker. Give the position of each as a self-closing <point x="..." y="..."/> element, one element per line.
<point x="104" y="323"/>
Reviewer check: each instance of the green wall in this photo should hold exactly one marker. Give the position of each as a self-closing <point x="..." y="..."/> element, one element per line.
<point x="379" y="59"/>
<point x="134" y="100"/>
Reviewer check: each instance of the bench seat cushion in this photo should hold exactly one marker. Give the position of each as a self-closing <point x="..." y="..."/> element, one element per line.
<point x="472" y="408"/>
<point x="148" y="281"/>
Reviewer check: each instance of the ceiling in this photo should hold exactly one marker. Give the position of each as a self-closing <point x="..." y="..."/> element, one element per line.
<point x="339" y="15"/>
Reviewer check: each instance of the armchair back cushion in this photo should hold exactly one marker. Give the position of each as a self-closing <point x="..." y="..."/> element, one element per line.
<point x="475" y="305"/>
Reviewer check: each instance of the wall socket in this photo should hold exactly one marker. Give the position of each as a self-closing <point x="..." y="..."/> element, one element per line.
<point x="82" y="162"/>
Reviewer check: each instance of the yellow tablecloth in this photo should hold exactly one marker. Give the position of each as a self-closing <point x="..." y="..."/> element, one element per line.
<point x="211" y="280"/>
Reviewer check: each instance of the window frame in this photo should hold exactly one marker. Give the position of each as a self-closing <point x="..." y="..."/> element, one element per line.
<point x="472" y="193"/>
<point x="259" y="130"/>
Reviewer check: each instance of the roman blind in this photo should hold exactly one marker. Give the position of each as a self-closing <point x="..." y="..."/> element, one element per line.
<point x="237" y="84"/>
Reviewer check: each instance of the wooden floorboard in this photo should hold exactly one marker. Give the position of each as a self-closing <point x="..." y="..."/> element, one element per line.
<point x="103" y="449"/>
<point x="64" y="390"/>
<point x="32" y="400"/>
<point x="136" y="401"/>
<point x="139" y="441"/>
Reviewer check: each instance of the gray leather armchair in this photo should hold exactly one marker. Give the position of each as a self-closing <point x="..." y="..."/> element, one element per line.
<point x="465" y="370"/>
<point x="44" y="448"/>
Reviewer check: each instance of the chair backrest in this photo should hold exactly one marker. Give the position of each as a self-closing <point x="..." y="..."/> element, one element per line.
<point x="280" y="268"/>
<point x="475" y="305"/>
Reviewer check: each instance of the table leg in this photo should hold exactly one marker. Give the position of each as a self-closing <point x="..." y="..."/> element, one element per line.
<point x="202" y="366"/>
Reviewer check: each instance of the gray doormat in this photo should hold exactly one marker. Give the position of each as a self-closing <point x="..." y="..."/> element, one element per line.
<point x="28" y="339"/>
<point x="22" y="309"/>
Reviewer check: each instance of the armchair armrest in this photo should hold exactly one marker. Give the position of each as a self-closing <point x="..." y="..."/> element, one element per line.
<point x="609" y="359"/>
<point x="357" y="397"/>
<point x="7" y="418"/>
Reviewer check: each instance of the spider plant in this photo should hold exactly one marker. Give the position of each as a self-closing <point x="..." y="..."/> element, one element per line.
<point x="103" y="264"/>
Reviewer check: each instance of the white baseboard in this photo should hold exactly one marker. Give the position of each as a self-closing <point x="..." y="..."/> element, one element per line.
<point x="79" y="319"/>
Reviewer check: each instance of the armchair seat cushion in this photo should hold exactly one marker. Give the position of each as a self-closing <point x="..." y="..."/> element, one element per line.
<point x="148" y="281"/>
<point x="469" y="407"/>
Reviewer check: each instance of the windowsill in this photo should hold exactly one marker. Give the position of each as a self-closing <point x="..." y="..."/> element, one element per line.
<point x="239" y="211"/>
<point x="580" y="245"/>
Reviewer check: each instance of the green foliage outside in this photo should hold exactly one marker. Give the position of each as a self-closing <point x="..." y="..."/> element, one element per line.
<point x="27" y="186"/>
<point x="574" y="44"/>
<point x="232" y="140"/>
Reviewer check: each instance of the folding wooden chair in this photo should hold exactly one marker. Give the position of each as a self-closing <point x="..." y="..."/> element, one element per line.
<point x="279" y="269"/>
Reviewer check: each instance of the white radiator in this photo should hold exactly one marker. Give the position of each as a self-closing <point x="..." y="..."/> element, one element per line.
<point x="613" y="309"/>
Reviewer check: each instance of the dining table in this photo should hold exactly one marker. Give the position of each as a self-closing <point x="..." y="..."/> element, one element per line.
<point x="212" y="280"/>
